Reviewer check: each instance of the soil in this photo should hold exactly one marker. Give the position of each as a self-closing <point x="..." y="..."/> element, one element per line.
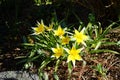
<point x="111" y="62"/>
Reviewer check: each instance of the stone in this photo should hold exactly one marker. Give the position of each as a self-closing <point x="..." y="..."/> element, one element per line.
<point x="18" y="75"/>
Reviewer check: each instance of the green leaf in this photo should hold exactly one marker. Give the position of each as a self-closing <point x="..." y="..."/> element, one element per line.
<point x="56" y="76"/>
<point x="32" y="53"/>
<point x="109" y="43"/>
<point x="118" y="43"/>
<point x="33" y="58"/>
<point x="57" y="65"/>
<point x="70" y="67"/>
<point x="28" y="44"/>
<point x="104" y="50"/>
<point x="107" y="30"/>
<point x="98" y="45"/>
<point x="99" y="68"/>
<point x="45" y="76"/>
<point x="45" y="62"/>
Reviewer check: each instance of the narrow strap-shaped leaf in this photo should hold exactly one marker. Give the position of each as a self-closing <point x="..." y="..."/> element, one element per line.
<point x="107" y="30"/>
<point x="28" y="44"/>
<point x="104" y="50"/>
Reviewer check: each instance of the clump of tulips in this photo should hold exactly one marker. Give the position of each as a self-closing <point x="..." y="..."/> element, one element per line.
<point x="59" y="43"/>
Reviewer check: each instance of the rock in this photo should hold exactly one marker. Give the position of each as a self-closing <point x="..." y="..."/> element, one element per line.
<point x="18" y="75"/>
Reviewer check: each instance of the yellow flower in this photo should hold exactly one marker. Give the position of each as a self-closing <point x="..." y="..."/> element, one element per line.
<point x="50" y="27"/>
<point x="73" y="55"/>
<point x="39" y="29"/>
<point x="59" y="31"/>
<point x="58" y="52"/>
<point x="80" y="37"/>
<point x="65" y="40"/>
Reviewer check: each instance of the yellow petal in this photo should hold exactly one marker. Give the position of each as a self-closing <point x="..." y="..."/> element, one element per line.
<point x="80" y="37"/>
<point x="65" y="40"/>
<point x="54" y="50"/>
<point x="74" y="54"/>
<point x="50" y="27"/>
<point x="57" y="52"/>
<point x="40" y="28"/>
<point x="78" y="57"/>
<point x="59" y="31"/>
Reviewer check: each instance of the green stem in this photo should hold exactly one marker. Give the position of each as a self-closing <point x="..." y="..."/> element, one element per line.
<point x="57" y="65"/>
<point x="54" y="37"/>
<point x="69" y="69"/>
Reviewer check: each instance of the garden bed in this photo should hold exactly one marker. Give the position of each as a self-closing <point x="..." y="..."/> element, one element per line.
<point x="110" y="61"/>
